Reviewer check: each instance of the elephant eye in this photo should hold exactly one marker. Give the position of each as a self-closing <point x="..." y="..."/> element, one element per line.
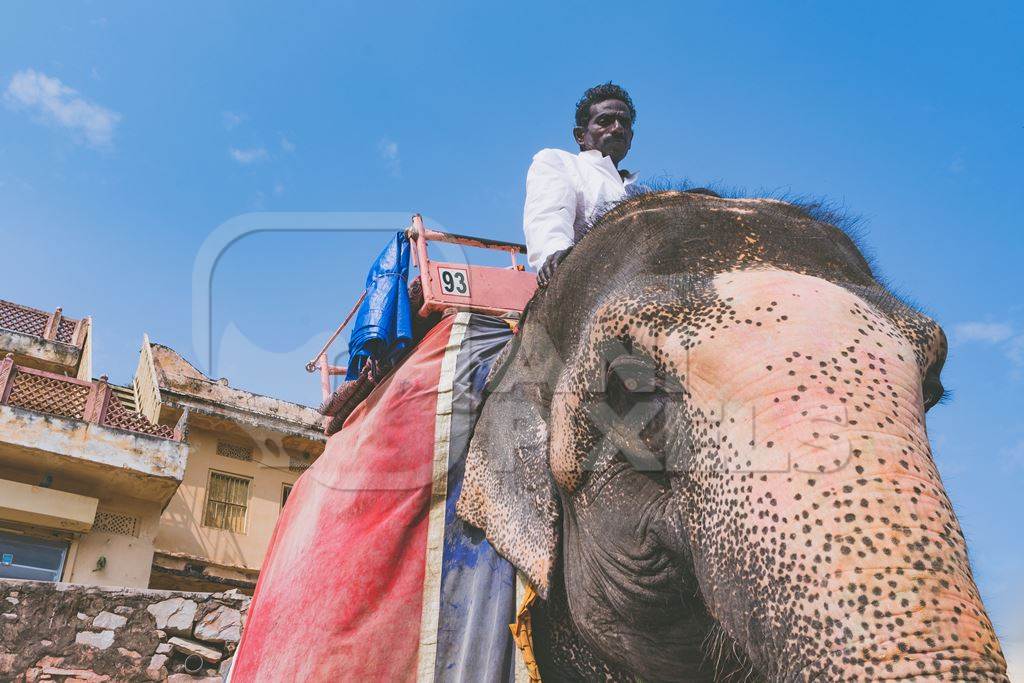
<point x="934" y="392"/>
<point x="634" y="371"/>
<point x="640" y="395"/>
<point x="628" y="378"/>
<point x="632" y="379"/>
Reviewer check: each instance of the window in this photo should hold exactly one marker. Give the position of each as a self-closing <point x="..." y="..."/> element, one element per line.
<point x="227" y="498"/>
<point x="24" y="557"/>
<point x="286" y="491"/>
<point x="234" y="450"/>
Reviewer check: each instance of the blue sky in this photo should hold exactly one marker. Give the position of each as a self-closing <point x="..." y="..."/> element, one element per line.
<point x="130" y="131"/>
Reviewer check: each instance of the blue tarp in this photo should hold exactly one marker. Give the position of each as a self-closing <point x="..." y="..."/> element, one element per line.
<point x="383" y="325"/>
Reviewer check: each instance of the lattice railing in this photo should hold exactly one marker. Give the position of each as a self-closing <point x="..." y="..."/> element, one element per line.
<point x="53" y="394"/>
<point x="119" y="417"/>
<point x="51" y="326"/>
<point x="66" y="330"/>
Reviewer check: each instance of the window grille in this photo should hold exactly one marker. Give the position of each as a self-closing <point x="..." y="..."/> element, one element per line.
<point x="227" y="500"/>
<point x="116" y="523"/>
<point x="234" y="450"/>
<point x="298" y="462"/>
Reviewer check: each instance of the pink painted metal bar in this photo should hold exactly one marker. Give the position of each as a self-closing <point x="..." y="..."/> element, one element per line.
<point x="483" y="289"/>
<point x="449" y="286"/>
<point x="321" y="357"/>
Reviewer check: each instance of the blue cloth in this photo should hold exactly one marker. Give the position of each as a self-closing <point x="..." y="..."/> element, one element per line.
<point x="477" y="600"/>
<point x="383" y="325"/>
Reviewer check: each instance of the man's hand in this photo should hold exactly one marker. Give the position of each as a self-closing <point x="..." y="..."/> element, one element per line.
<point x="548" y="269"/>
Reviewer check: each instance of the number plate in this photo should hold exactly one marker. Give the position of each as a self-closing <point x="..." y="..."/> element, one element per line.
<point x="454" y="281"/>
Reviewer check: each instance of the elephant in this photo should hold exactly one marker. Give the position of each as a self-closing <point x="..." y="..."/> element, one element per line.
<point x="706" y="449"/>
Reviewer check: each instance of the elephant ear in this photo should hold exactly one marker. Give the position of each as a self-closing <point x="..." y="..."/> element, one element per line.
<point x="508" y="491"/>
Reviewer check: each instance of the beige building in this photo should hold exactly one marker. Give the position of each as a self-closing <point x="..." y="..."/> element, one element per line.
<point x="83" y="478"/>
<point x="245" y="453"/>
<point x="175" y="482"/>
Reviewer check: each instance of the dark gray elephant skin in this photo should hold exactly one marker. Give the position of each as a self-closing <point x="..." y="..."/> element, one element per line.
<point x="707" y="450"/>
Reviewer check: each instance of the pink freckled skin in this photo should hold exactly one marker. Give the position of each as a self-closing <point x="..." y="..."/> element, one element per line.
<point x="843" y="520"/>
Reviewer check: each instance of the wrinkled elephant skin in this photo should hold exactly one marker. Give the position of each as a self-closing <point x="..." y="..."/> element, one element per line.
<point x="707" y="449"/>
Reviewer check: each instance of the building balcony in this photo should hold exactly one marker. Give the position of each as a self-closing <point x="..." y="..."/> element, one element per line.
<point x="68" y="427"/>
<point x="44" y="340"/>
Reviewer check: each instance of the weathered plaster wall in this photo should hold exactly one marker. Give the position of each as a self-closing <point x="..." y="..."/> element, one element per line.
<point x="66" y="632"/>
<point x="26" y="503"/>
<point x="128" y="556"/>
<point x="182" y="530"/>
<point x="149" y="464"/>
<point x="36" y="352"/>
<point x="177" y="375"/>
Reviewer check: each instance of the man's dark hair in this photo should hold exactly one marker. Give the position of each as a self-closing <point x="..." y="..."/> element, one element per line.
<point x="600" y="93"/>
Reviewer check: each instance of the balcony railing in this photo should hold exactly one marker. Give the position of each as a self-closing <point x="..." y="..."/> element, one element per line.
<point x="50" y="326"/>
<point x="46" y="392"/>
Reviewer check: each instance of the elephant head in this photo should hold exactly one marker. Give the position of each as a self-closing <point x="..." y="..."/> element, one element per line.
<point x="707" y="443"/>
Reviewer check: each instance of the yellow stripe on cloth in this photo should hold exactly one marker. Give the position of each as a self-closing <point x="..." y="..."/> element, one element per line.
<point x="522" y="633"/>
<point x="439" y="491"/>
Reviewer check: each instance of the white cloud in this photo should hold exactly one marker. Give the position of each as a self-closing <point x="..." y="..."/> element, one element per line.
<point x="248" y="156"/>
<point x="59" y="105"/>
<point x="1013" y="456"/>
<point x="231" y="119"/>
<point x="388" y="150"/>
<point x="957" y="165"/>
<point x="287" y="145"/>
<point x="258" y="202"/>
<point x="1015" y="350"/>
<point x="1004" y="336"/>
<point x="278" y="189"/>
<point x="992" y="333"/>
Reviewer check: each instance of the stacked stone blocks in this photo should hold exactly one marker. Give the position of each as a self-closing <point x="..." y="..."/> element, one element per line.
<point x="92" y="634"/>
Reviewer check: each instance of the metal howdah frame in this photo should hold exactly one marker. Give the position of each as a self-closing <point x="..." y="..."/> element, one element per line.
<point x="449" y="287"/>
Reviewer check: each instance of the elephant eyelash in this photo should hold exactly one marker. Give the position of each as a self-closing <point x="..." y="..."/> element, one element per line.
<point x="944" y="397"/>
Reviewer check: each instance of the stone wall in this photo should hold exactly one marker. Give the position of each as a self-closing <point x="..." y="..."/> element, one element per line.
<point x="75" y="634"/>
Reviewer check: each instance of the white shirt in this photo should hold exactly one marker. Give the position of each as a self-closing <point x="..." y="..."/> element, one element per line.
<point x="564" y="193"/>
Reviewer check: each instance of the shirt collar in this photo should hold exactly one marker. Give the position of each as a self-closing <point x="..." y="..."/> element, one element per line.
<point x="595" y="157"/>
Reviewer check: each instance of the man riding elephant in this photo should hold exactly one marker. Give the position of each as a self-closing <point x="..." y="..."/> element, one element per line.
<point x="564" y="191"/>
<point x="709" y="456"/>
<point x="705" y="447"/>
